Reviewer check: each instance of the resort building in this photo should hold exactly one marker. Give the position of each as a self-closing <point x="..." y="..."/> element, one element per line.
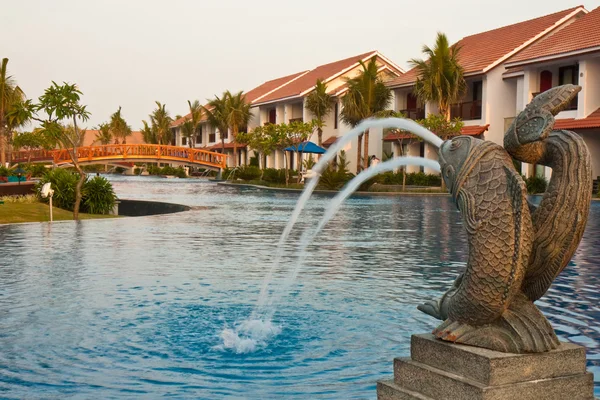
<point x="282" y="100"/>
<point x="491" y="98"/>
<point x="570" y="55"/>
<point x="287" y="103"/>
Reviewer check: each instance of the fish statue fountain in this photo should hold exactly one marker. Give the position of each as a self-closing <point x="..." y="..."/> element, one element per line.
<point x="516" y="249"/>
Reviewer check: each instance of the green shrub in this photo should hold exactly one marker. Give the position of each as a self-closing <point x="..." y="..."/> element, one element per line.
<point x="63" y="183"/>
<point x="154" y="170"/>
<point x="36" y="170"/>
<point x="248" y="173"/>
<point x="536" y="184"/>
<point x="274" y="175"/>
<point x="3" y="171"/>
<point x="334" y="178"/>
<point x="423" y="179"/>
<point x="98" y="196"/>
<point x="93" y="168"/>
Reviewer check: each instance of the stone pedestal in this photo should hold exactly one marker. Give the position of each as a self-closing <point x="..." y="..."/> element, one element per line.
<point x="440" y="370"/>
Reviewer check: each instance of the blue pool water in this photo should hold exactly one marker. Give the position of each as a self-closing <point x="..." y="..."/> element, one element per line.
<point x="134" y="307"/>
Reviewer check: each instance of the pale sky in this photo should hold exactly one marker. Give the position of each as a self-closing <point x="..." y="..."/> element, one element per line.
<point x="130" y="53"/>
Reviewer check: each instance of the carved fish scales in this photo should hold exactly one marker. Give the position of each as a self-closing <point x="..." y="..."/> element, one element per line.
<point x="513" y="255"/>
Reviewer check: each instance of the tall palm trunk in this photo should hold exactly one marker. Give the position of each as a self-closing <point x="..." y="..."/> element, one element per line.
<point x="2" y="145"/>
<point x="79" y="185"/>
<point x="234" y="137"/>
<point x="320" y="136"/>
<point x="359" y="154"/>
<point x="366" y="157"/>
<point x="223" y="146"/>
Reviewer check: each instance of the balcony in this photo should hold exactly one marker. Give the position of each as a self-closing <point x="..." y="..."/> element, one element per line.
<point x="570" y="107"/>
<point x="466" y="111"/>
<point x="414" y="113"/>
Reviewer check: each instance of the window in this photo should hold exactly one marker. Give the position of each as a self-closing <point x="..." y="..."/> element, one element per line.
<point x="545" y="80"/>
<point x="569" y="75"/>
<point x="272" y="116"/>
<point x="336" y="113"/>
<point x="211" y="137"/>
<point x="183" y="141"/>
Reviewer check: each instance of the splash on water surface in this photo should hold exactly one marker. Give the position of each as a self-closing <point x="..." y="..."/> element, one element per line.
<point x="248" y="336"/>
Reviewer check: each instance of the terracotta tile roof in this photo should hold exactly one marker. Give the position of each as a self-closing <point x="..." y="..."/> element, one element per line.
<point x="307" y="81"/>
<point x="264" y="89"/>
<point x="330" y="141"/>
<point x="482" y="51"/>
<point x="581" y="35"/>
<point x="228" y="146"/>
<point x="472" y="130"/>
<point x="90" y="138"/>
<point x="589" y="122"/>
<point x="513" y="70"/>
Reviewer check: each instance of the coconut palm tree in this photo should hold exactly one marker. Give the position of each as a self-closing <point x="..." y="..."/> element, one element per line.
<point x="366" y="97"/>
<point x="440" y="77"/>
<point x="195" y="119"/>
<point x="118" y="127"/>
<point x="104" y="135"/>
<point x="238" y="114"/>
<point x="10" y="96"/>
<point x="319" y="103"/>
<point x="161" y="123"/>
<point x="148" y="133"/>
<point x="216" y="114"/>
<point x="187" y="130"/>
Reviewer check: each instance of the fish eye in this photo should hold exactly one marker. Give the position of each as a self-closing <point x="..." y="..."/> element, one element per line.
<point x="455" y="144"/>
<point x="449" y="171"/>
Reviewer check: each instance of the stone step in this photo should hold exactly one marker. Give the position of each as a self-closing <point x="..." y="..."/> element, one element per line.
<point x="388" y="390"/>
<point x="437" y="384"/>
<point x="492" y="368"/>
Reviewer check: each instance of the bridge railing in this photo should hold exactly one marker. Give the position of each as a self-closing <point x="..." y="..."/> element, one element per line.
<point x="128" y="151"/>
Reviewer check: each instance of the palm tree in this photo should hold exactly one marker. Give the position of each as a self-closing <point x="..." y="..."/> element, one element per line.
<point x="161" y="123"/>
<point x="238" y="114"/>
<point x="103" y="136"/>
<point x="10" y="96"/>
<point x="367" y="96"/>
<point x="216" y="114"/>
<point x="441" y="77"/>
<point x="195" y="118"/>
<point x="319" y="103"/>
<point x="187" y="130"/>
<point x="118" y="127"/>
<point x="149" y="134"/>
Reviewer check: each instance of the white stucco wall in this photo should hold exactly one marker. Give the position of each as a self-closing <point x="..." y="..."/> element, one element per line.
<point x="590" y="82"/>
<point x="500" y="96"/>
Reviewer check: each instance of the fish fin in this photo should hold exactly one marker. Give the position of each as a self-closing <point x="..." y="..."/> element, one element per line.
<point x="466" y="205"/>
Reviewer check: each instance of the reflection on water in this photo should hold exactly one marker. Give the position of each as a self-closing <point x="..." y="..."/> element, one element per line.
<point x="134" y="307"/>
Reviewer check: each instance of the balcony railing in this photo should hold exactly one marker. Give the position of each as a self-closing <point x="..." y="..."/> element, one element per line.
<point x="466" y="111"/>
<point x="571" y="106"/>
<point x="414" y="113"/>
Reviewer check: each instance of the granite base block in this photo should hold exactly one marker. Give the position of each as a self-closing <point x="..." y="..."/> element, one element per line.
<point x="440" y="370"/>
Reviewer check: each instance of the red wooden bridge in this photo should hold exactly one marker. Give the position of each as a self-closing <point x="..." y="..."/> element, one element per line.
<point x="119" y="153"/>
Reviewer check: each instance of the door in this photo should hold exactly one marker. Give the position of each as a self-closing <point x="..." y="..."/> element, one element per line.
<point x="545" y="81"/>
<point x="411" y="102"/>
<point x="272" y="116"/>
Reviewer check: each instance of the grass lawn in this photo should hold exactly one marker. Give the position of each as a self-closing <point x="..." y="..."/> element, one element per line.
<point x="11" y="213"/>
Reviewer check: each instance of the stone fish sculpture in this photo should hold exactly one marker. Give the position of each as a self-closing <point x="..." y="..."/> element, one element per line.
<point x="516" y="249"/>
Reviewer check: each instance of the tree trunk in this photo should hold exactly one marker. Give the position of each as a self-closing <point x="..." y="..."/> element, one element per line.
<point x="2" y="145"/>
<point x="79" y="185"/>
<point x="358" y="154"/>
<point x="366" y="157"/>
<point x="234" y="137"/>
<point x="320" y="135"/>
<point x="404" y="179"/>
<point x="299" y="160"/>
<point x="285" y="166"/>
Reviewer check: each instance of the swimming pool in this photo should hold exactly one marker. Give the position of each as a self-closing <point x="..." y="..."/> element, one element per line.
<point x="133" y="307"/>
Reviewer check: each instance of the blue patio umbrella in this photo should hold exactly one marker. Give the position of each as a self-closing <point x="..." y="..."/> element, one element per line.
<point x="306" y="147"/>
